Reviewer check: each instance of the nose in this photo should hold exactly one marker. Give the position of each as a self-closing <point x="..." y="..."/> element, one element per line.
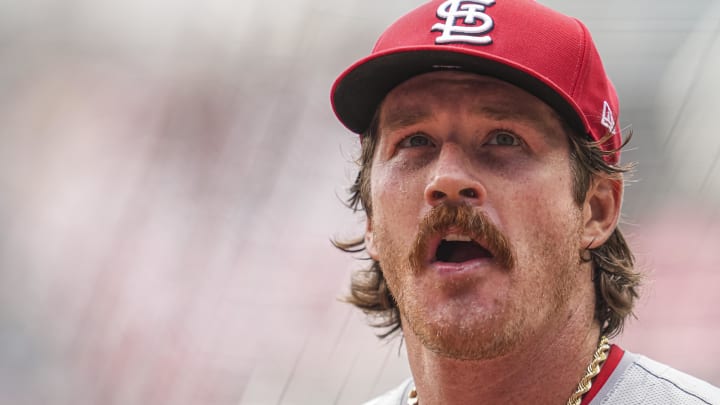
<point x="453" y="180"/>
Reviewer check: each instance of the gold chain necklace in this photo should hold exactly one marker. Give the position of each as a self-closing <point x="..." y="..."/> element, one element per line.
<point x="583" y="386"/>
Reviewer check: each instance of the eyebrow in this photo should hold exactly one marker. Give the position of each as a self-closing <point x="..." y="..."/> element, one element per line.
<point x="508" y="113"/>
<point x="402" y="118"/>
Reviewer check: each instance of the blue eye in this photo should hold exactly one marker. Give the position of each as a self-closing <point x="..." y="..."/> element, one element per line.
<point x="503" y="138"/>
<point x="415" y="141"/>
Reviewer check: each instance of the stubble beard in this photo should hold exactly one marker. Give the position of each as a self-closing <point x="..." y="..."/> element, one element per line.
<point x="470" y="333"/>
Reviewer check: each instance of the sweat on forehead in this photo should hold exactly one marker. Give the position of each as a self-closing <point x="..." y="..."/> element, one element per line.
<point x="418" y="98"/>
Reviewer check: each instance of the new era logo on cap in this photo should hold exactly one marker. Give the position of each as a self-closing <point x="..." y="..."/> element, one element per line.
<point x="608" y="119"/>
<point x="476" y="23"/>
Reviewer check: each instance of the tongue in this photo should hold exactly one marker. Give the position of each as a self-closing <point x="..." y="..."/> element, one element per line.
<point x="457" y="252"/>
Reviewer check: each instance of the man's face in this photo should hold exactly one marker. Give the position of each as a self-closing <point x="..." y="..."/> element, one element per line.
<point x="474" y="222"/>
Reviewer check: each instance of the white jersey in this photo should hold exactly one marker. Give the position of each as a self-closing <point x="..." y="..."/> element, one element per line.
<point x="635" y="379"/>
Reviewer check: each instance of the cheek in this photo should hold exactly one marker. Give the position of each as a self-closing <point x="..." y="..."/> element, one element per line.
<point x="396" y="195"/>
<point x="542" y="208"/>
<point x="545" y="235"/>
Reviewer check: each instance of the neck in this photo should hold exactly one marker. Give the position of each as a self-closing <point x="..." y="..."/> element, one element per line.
<point x="547" y="368"/>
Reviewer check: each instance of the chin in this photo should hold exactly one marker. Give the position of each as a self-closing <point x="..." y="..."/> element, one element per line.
<point x="469" y="332"/>
<point x="462" y="345"/>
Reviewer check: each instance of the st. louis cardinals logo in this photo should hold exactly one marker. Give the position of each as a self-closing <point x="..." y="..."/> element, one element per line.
<point x="476" y="23"/>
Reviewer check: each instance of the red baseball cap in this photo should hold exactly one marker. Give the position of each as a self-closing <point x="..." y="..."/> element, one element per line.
<point x="522" y="42"/>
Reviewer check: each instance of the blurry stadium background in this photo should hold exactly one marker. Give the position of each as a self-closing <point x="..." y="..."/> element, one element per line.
<point x="171" y="174"/>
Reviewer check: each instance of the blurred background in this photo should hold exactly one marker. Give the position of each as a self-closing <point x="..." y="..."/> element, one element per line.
<point x="171" y="174"/>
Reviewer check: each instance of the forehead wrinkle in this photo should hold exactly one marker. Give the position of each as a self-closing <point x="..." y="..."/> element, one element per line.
<point x="466" y="91"/>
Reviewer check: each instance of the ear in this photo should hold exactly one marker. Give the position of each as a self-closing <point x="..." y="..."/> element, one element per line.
<point x="370" y="240"/>
<point x="601" y="211"/>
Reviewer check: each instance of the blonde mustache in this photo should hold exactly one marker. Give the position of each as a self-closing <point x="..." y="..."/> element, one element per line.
<point x="466" y="220"/>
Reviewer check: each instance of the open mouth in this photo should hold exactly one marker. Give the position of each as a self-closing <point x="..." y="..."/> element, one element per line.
<point x="455" y="248"/>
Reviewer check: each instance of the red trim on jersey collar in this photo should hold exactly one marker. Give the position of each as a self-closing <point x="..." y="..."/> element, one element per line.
<point x="614" y="357"/>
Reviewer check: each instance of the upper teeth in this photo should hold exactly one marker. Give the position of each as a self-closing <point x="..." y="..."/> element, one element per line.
<point x="453" y="237"/>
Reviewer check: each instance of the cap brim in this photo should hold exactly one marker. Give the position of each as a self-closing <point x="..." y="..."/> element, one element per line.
<point x="361" y="88"/>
